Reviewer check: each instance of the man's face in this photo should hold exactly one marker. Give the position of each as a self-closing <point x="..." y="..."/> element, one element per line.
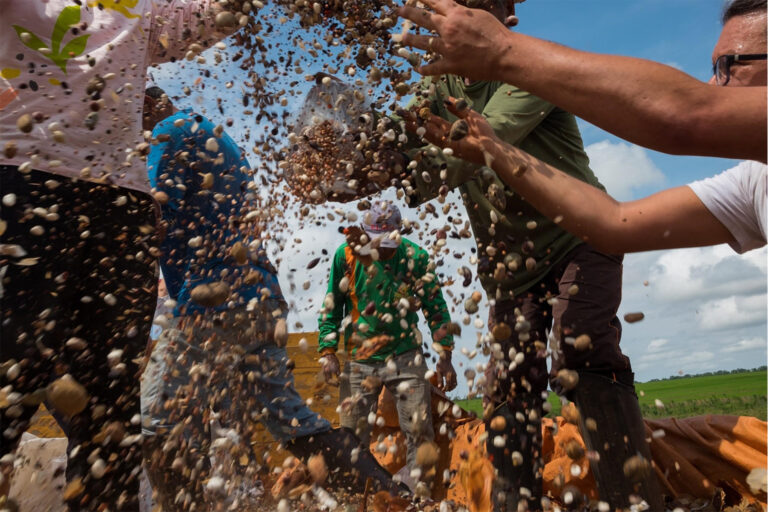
<point x="743" y="35"/>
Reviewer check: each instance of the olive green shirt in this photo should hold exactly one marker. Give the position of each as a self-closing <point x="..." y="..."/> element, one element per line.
<point x="520" y="231"/>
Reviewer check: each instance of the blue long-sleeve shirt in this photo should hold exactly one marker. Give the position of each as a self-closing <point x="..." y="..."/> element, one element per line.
<point x="201" y="231"/>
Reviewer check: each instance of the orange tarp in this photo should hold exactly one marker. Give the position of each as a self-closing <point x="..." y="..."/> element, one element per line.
<point x="693" y="456"/>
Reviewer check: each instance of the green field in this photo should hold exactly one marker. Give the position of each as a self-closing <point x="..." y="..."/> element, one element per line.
<point x="742" y="394"/>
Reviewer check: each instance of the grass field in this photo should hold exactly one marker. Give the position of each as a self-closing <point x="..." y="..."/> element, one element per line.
<point x="742" y="394"/>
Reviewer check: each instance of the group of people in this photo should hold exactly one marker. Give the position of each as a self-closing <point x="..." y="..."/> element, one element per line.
<point x="82" y="183"/>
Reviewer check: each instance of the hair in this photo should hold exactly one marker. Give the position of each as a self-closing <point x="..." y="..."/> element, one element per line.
<point x="742" y="8"/>
<point x="154" y="92"/>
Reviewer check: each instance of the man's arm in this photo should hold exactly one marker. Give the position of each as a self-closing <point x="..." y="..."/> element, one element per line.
<point x="661" y="108"/>
<point x="510" y="112"/>
<point x="331" y="318"/>
<point x="669" y="219"/>
<point x="432" y="302"/>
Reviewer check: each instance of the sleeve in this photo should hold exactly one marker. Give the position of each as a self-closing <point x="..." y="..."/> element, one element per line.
<point x="511" y="112"/>
<point x="737" y="198"/>
<point x="176" y="24"/>
<point x="432" y="302"/>
<point x="161" y="161"/>
<point x="329" y="322"/>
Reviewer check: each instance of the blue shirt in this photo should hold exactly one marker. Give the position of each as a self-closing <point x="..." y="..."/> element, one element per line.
<point x="202" y="218"/>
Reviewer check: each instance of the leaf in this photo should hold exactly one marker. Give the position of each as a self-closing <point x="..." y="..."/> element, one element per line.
<point x="69" y="16"/>
<point x="34" y="42"/>
<point x="76" y="46"/>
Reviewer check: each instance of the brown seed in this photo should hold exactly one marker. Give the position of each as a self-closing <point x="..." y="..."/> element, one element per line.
<point x="427" y="455"/>
<point x="459" y="130"/>
<point x="317" y="469"/>
<point x="207" y="183"/>
<point x="570" y="413"/>
<point x="313" y="263"/>
<point x="498" y="423"/>
<point x="477" y="296"/>
<point x="501" y="331"/>
<point x="371" y="383"/>
<point x="10" y="149"/>
<point x="568" y="379"/>
<point x="74" y="489"/>
<point x="631" y="318"/>
<point x="574" y="450"/>
<point x="573" y="289"/>
<point x="67" y="396"/>
<point x="637" y="468"/>
<point x="582" y="342"/>
<point x="25" y="123"/>
<point x="161" y="197"/>
<point x="225" y="19"/>
<point x="210" y="295"/>
<point x="239" y="253"/>
<point x="530" y="264"/>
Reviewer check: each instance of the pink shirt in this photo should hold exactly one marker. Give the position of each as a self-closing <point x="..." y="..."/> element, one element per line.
<point x="80" y="71"/>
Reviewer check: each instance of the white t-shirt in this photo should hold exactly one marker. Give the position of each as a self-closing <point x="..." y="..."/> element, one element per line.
<point x="55" y="53"/>
<point x="737" y="197"/>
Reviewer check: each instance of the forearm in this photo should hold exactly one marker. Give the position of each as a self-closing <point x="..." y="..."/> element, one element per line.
<point x="661" y="108"/>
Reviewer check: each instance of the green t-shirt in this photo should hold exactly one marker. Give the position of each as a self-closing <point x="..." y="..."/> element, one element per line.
<point x="373" y="304"/>
<point x="538" y="128"/>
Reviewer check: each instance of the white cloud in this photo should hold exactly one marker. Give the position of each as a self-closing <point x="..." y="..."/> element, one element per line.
<point x="733" y="311"/>
<point x="623" y="167"/>
<point x="744" y="345"/>
<point x="707" y="273"/>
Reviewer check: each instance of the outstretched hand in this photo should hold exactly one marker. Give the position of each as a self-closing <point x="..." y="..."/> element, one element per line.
<point x="463" y="34"/>
<point x="476" y="146"/>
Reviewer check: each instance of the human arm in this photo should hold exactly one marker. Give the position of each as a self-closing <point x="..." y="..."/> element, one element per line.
<point x="512" y="114"/>
<point x="331" y="317"/>
<point x="661" y="107"/>
<point x="669" y="219"/>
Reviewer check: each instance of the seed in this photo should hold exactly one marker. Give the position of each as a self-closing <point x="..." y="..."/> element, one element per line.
<point x="568" y="379"/>
<point x="498" y="423"/>
<point x="67" y="395"/>
<point x="10" y="149"/>
<point x="637" y="468"/>
<point x="212" y="145"/>
<point x="530" y="264"/>
<point x="501" y="331"/>
<point x="25" y="123"/>
<point x="476" y="296"/>
<point x="427" y="455"/>
<point x="631" y="318"/>
<point x="9" y="199"/>
<point x="459" y="130"/>
<point x="470" y="306"/>
<point x="239" y="253"/>
<point x="574" y="450"/>
<point x="313" y="263"/>
<point x="210" y="295"/>
<point x="225" y="19"/>
<point x="573" y="289"/>
<point x="582" y="342"/>
<point x="317" y="469"/>
<point x="161" y="197"/>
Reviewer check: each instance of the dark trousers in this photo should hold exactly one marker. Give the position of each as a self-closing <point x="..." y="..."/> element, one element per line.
<point x="517" y="373"/>
<point x="79" y="262"/>
<point x="591" y="311"/>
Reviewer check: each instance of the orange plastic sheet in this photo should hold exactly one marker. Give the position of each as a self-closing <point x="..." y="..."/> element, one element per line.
<point x="693" y="457"/>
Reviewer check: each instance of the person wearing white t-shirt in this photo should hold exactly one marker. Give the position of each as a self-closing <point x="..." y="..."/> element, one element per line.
<point x="728" y="208"/>
<point x="77" y="258"/>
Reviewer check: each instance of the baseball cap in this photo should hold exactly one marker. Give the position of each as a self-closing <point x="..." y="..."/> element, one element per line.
<point x="380" y="220"/>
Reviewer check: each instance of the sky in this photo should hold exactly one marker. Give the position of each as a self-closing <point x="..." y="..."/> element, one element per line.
<point x="705" y="309"/>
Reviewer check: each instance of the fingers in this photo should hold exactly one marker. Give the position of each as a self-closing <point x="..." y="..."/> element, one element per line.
<point x="459" y="109"/>
<point x="439" y="6"/>
<point x="420" y="17"/>
<point x="429" y="43"/>
<point x="439" y="67"/>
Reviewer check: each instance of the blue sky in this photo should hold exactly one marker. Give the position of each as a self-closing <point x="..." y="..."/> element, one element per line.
<point x="705" y="308"/>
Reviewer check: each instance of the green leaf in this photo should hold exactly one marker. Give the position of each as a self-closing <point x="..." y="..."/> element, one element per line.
<point x="69" y="16"/>
<point x="34" y="42"/>
<point x="76" y="46"/>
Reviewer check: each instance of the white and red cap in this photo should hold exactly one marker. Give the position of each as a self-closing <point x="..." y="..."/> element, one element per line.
<point x="380" y="221"/>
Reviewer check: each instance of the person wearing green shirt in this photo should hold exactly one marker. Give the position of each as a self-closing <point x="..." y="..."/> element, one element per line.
<point x="378" y="282"/>
<point x="544" y="284"/>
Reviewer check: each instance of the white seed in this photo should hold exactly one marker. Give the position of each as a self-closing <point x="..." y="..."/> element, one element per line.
<point x="9" y="200"/>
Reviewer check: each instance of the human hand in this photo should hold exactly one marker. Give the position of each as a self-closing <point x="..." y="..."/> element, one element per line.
<point x="331" y="368"/>
<point x="462" y="35"/>
<point x="445" y="373"/>
<point x="477" y="142"/>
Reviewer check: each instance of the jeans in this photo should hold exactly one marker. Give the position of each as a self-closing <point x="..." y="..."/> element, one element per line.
<point x="412" y="396"/>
